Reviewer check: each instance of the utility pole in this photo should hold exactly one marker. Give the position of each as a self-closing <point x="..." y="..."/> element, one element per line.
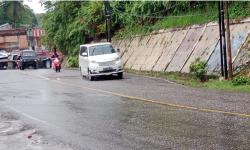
<point x="220" y="33"/>
<point x="223" y="38"/>
<point x="229" y="55"/>
<point x="108" y="19"/>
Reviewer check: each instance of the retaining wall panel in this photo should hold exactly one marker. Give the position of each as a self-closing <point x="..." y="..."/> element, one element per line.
<point x="238" y="36"/>
<point x="214" y="60"/>
<point x="205" y="47"/>
<point x="169" y="50"/>
<point x="130" y="49"/>
<point x="157" y="51"/>
<point x="138" y="51"/>
<point x="147" y="48"/>
<point x="185" y="49"/>
<point x="124" y="45"/>
<point x="154" y="40"/>
<point x="243" y="57"/>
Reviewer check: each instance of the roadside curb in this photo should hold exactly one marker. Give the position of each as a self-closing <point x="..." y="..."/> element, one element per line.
<point x="70" y="68"/>
<point x="154" y="78"/>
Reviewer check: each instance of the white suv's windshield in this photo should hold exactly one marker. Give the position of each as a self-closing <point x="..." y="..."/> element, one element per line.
<point x="101" y="50"/>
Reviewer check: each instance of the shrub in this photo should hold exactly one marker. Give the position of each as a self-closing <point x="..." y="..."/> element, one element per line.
<point x="73" y="61"/>
<point x="241" y="80"/>
<point x="199" y="69"/>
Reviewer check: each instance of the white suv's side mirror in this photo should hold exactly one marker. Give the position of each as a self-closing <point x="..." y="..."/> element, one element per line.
<point x="84" y="54"/>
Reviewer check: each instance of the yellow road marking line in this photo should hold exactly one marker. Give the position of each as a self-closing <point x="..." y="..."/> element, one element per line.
<point x="161" y="103"/>
<point x="154" y="101"/>
<point x="224" y="112"/>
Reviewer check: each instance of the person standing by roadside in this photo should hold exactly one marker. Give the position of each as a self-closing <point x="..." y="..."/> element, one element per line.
<point x="55" y="55"/>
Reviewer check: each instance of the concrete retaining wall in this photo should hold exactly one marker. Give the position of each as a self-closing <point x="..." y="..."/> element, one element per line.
<point x="175" y="50"/>
<point x="143" y="48"/>
<point x="169" y="50"/>
<point x="205" y="46"/>
<point x="157" y="51"/>
<point x="243" y="56"/>
<point x="185" y="49"/>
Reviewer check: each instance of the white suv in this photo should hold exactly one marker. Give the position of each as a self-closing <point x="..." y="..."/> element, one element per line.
<point x="99" y="59"/>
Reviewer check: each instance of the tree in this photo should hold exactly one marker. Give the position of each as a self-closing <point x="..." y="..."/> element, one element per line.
<point x="16" y="14"/>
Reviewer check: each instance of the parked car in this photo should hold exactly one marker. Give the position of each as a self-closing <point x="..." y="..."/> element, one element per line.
<point x="3" y="61"/>
<point x="3" y="55"/>
<point x="44" y="60"/>
<point x="14" y="59"/>
<point x="4" y="52"/>
<point x="98" y="60"/>
<point x="28" y="58"/>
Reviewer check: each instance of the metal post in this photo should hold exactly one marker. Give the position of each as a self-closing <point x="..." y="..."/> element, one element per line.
<point x="221" y="52"/>
<point x="229" y="55"/>
<point x="109" y="27"/>
<point x="224" y="41"/>
<point x="108" y="20"/>
<point x="106" y="23"/>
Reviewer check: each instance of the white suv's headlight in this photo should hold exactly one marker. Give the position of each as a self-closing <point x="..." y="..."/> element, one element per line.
<point x="117" y="60"/>
<point x="93" y="63"/>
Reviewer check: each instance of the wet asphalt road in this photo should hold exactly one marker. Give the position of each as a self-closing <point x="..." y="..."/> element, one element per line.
<point x="133" y="113"/>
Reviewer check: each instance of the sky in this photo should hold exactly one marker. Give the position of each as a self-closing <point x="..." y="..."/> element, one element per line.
<point x="35" y="5"/>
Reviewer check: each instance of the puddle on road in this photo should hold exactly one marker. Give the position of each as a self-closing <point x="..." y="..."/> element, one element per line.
<point x="151" y="126"/>
<point x="128" y="123"/>
<point x="16" y="135"/>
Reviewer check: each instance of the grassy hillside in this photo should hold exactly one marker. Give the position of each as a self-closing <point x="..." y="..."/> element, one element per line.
<point x="209" y="13"/>
<point x="71" y="23"/>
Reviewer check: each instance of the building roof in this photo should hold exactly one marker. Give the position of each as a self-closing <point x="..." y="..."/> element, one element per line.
<point x="5" y="26"/>
<point x="20" y="31"/>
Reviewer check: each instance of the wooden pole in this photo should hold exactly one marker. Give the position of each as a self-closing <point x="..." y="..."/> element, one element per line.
<point x="229" y="55"/>
<point x="224" y="40"/>
<point x="220" y="33"/>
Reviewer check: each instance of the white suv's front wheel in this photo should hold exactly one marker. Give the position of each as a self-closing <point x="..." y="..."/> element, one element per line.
<point x="81" y="72"/>
<point x="120" y="75"/>
<point x="89" y="77"/>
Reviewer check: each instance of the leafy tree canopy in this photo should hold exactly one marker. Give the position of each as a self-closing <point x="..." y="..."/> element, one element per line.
<point x="71" y="23"/>
<point x="17" y="14"/>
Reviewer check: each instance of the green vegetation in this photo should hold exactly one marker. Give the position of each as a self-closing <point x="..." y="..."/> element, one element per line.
<point x="241" y="80"/>
<point x="199" y="69"/>
<point x="73" y="61"/>
<point x="226" y="85"/>
<point x="191" y="80"/>
<point x="39" y="18"/>
<point x="17" y="14"/>
<point x="182" y="15"/>
<point x="71" y="23"/>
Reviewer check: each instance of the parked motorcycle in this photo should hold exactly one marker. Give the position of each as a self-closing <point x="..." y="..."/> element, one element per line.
<point x="56" y="64"/>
